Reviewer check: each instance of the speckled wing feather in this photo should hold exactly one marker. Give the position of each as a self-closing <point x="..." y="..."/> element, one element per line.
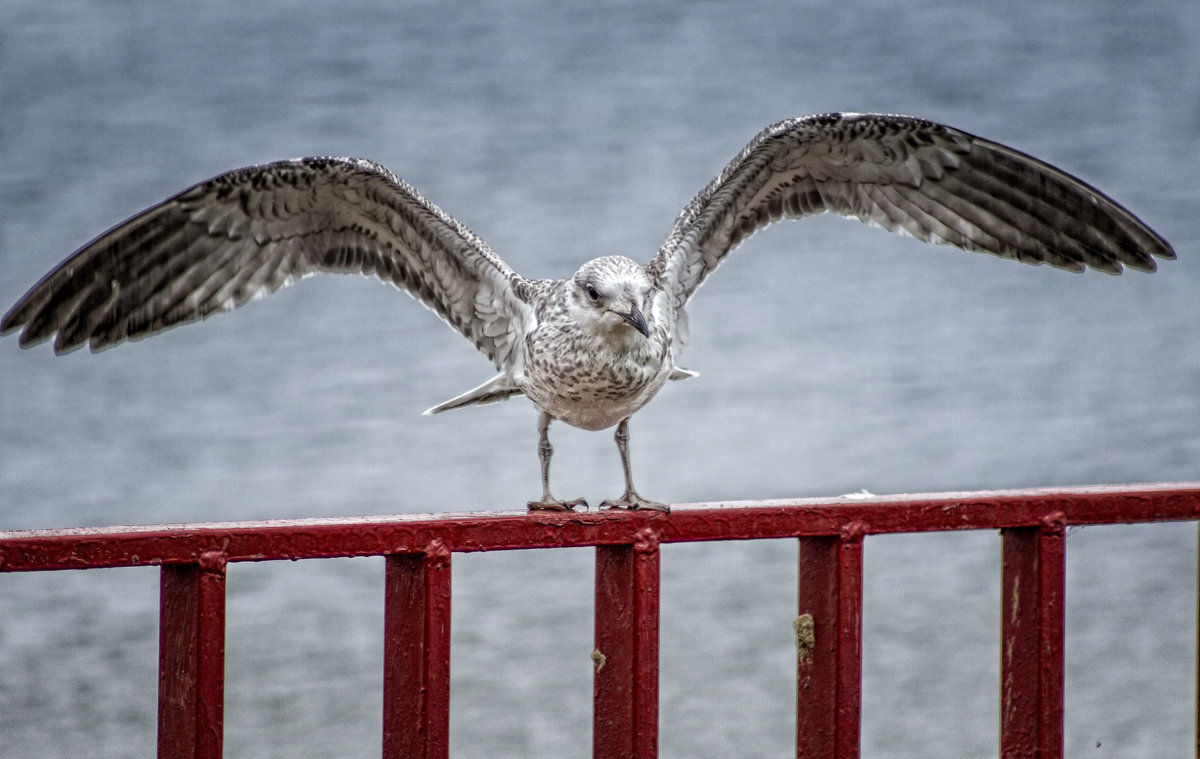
<point x="249" y="232"/>
<point x="908" y="176"/>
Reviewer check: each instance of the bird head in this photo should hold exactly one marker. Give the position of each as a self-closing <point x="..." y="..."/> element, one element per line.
<point x="612" y="293"/>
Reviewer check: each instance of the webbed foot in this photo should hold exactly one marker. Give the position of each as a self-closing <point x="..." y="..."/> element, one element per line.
<point x="634" y="502"/>
<point x="553" y="504"/>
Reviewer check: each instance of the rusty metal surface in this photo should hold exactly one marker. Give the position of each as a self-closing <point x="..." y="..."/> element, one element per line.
<point x="417" y="601"/>
<point x="416" y="657"/>
<point x="625" y="660"/>
<point x="829" y="645"/>
<point x="191" y="660"/>
<point x="1032" y="593"/>
<point x="34" y="550"/>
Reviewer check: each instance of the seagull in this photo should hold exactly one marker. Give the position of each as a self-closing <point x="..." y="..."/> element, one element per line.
<point x="591" y="349"/>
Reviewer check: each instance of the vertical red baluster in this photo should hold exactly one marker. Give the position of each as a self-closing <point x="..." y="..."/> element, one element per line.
<point x="191" y="659"/>
<point x="625" y="661"/>
<point x="416" y="657"/>
<point x="829" y="646"/>
<point x="1031" y="632"/>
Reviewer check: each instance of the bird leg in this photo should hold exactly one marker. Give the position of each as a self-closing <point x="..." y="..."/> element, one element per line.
<point x="630" y="500"/>
<point x="545" y="451"/>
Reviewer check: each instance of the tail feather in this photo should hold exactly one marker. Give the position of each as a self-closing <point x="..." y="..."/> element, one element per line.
<point x="679" y="373"/>
<point x="498" y="388"/>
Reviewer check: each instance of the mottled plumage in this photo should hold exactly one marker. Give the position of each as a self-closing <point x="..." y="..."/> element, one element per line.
<point x="592" y="349"/>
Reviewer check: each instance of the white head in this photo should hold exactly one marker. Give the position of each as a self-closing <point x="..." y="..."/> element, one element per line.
<point x="611" y="294"/>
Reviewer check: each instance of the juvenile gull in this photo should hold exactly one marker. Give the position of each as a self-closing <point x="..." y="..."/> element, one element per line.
<point x="591" y="349"/>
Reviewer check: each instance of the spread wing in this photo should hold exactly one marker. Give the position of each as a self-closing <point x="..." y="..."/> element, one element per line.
<point x="245" y="234"/>
<point x="908" y="176"/>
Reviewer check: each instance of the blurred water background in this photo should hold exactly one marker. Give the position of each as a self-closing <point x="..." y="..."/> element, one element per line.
<point x="833" y="358"/>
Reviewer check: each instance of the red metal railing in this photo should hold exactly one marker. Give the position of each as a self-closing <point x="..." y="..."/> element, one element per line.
<point x="419" y="551"/>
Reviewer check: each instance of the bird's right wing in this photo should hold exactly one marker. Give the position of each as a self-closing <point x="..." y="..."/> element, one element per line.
<point x="909" y="176"/>
<point x="245" y="234"/>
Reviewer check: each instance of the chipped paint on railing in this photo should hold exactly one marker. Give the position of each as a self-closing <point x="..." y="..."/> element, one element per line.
<point x="194" y="560"/>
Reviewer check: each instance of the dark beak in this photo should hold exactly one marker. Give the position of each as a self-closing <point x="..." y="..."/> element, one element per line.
<point x="637" y="321"/>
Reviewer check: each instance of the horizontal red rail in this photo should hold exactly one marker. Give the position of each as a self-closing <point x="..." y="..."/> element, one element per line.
<point x="419" y="550"/>
<point x="85" y="548"/>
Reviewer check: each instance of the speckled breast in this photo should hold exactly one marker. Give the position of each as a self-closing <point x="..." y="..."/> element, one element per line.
<point x="594" y="386"/>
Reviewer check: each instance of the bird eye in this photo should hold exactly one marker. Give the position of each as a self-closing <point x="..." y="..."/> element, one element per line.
<point x="593" y="293"/>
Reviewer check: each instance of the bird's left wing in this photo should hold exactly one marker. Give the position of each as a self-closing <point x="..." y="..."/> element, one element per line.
<point x="909" y="176"/>
<point x="247" y="233"/>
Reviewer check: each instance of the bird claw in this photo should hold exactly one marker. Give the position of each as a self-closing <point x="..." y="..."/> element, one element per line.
<point x="553" y="504"/>
<point x="634" y="502"/>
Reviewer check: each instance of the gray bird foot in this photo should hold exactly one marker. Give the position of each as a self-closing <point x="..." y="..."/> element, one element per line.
<point x="553" y="504"/>
<point x="634" y="502"/>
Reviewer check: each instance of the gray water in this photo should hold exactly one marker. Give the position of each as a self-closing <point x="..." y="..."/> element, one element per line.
<point x="833" y="358"/>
